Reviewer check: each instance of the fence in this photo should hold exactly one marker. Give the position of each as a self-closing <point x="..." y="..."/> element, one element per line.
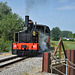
<point x="53" y="64"/>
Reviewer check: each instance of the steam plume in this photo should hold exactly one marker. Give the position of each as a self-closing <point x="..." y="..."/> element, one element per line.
<point x="29" y="4"/>
<point x="42" y="41"/>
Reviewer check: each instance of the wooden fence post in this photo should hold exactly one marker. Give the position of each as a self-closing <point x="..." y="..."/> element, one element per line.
<point x="46" y="62"/>
<point x="73" y="61"/>
<point x="71" y="57"/>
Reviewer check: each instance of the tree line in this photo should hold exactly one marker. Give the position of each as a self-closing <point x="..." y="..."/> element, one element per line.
<point x="56" y="33"/>
<point x="9" y="23"/>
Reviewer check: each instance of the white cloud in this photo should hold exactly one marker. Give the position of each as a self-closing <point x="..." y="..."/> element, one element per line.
<point x="62" y="1"/>
<point x="67" y="7"/>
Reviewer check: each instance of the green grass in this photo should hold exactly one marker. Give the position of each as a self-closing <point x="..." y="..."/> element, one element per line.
<point x="69" y="45"/>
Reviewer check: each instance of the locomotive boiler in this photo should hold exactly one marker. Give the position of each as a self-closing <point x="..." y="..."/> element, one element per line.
<point x="26" y="42"/>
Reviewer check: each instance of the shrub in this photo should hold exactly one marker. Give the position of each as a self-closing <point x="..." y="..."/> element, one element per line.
<point x="5" y="46"/>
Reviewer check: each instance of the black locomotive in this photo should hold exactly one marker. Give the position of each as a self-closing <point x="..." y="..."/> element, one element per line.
<point x="26" y="42"/>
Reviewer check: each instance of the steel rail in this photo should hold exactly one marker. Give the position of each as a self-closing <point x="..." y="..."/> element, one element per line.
<point x="10" y="61"/>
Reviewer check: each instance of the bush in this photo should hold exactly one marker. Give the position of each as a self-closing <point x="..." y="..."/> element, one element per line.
<point x="64" y="39"/>
<point x="5" y="46"/>
<point x="71" y="40"/>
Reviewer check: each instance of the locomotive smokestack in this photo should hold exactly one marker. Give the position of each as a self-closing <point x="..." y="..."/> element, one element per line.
<point x="26" y="21"/>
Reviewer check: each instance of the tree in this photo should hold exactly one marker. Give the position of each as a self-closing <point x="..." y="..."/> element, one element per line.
<point x="67" y="34"/>
<point x="5" y="9"/>
<point x="9" y="23"/>
<point x="74" y="35"/>
<point x="55" y="33"/>
<point x="64" y="34"/>
<point x="70" y="35"/>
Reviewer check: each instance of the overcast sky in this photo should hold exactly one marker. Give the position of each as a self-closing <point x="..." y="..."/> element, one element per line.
<point x="54" y="13"/>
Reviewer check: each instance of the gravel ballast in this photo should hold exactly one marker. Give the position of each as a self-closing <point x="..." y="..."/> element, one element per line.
<point x="29" y="65"/>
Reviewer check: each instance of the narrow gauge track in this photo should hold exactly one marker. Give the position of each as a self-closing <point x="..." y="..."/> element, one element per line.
<point x="10" y="60"/>
<point x="7" y="62"/>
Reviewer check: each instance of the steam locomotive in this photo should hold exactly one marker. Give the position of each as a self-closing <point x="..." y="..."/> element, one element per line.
<point x="26" y="42"/>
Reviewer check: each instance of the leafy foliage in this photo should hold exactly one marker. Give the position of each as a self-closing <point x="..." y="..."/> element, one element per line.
<point x="4" y="9"/>
<point x="64" y="34"/>
<point x="9" y="23"/>
<point x="5" y="46"/>
<point x="55" y="33"/>
<point x="67" y="34"/>
<point x="74" y="35"/>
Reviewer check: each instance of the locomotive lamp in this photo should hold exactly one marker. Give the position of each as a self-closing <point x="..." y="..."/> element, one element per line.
<point x="34" y="33"/>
